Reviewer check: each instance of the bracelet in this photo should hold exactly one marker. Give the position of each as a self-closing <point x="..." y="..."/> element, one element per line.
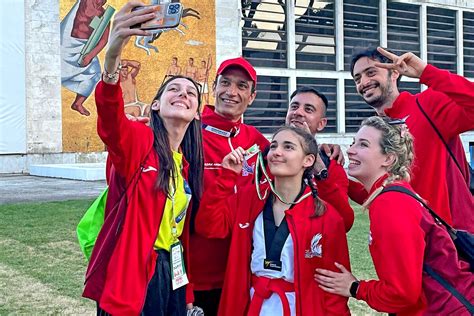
<point x="113" y="76"/>
<point x="353" y="289"/>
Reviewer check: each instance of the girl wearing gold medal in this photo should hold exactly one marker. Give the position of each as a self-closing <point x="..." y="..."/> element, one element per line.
<point x="280" y="233"/>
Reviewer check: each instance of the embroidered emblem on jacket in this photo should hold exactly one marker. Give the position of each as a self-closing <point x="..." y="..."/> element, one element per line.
<point x="370" y="238"/>
<point x="316" y="249"/>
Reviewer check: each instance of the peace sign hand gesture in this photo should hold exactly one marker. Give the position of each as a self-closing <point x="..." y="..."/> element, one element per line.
<point x="407" y="64"/>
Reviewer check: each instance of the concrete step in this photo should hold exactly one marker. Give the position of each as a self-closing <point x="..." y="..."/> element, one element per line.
<point x="76" y="171"/>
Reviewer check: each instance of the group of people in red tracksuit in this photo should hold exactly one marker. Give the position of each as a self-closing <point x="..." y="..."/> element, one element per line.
<point x="218" y="220"/>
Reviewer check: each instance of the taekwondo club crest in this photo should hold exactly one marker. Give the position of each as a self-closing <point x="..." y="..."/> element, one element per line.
<point x="316" y="249"/>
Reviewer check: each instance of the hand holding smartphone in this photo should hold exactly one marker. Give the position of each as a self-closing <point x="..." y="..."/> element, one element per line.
<point x="168" y="16"/>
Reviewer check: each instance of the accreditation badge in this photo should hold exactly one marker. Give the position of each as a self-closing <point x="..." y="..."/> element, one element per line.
<point x="178" y="271"/>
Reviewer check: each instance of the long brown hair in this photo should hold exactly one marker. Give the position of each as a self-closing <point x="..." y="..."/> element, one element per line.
<point x="191" y="147"/>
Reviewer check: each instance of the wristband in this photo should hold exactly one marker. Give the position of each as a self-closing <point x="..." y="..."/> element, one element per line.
<point x="353" y="289"/>
<point x="113" y="76"/>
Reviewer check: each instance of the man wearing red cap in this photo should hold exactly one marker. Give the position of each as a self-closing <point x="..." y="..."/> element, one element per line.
<point x="234" y="90"/>
<point x="223" y="130"/>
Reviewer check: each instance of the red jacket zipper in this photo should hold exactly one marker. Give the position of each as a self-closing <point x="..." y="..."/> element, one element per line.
<point x="296" y="260"/>
<point x="148" y="258"/>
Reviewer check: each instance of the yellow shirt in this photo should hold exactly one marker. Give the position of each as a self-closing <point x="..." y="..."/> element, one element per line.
<point x="175" y="208"/>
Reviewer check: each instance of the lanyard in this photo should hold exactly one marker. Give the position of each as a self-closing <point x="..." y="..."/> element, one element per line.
<point x="229" y="134"/>
<point x="174" y="227"/>
<point x="176" y="218"/>
<point x="232" y="133"/>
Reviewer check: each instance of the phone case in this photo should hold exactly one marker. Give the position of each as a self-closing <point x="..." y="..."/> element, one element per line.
<point x="168" y="16"/>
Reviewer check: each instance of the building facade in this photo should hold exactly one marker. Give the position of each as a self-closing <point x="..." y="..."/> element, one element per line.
<point x="290" y="43"/>
<point x="311" y="43"/>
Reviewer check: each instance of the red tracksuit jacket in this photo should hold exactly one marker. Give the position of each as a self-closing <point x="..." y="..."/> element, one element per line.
<point x="225" y="213"/>
<point x="336" y="192"/>
<point x="399" y="246"/>
<point x="208" y="256"/>
<point x="449" y="102"/>
<point x="122" y="264"/>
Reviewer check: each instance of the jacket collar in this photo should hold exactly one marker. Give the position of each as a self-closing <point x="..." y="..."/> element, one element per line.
<point x="211" y="118"/>
<point x="399" y="104"/>
<point x="265" y="187"/>
<point x="377" y="184"/>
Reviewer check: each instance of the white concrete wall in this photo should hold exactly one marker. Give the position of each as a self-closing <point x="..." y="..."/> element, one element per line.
<point x="228" y="33"/>
<point x="43" y="77"/>
<point x="21" y="163"/>
<point x="43" y="93"/>
<point x="43" y="83"/>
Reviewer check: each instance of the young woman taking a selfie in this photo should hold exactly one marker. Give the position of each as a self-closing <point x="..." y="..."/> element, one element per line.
<point x="138" y="265"/>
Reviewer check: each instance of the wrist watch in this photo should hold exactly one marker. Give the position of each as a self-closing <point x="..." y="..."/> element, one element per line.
<point x="353" y="289"/>
<point x="322" y="174"/>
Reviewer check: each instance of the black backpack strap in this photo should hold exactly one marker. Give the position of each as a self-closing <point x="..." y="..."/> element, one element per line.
<point x="440" y="136"/>
<point x="449" y="287"/>
<point x="427" y="268"/>
<point x="324" y="158"/>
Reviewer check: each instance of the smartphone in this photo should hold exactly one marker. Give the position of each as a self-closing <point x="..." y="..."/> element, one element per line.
<point x="168" y="16"/>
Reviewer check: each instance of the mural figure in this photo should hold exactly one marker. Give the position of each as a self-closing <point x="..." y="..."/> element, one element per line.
<point x="202" y="77"/>
<point x="190" y="70"/>
<point x="174" y="69"/>
<point x="132" y="104"/>
<point x="84" y="33"/>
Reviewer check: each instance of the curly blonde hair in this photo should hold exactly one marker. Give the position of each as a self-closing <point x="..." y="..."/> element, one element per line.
<point x="396" y="140"/>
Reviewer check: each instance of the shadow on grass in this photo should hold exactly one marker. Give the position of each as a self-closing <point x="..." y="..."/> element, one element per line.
<point x="38" y="245"/>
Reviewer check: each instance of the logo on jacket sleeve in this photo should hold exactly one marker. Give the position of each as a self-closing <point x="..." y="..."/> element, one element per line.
<point x="316" y="249"/>
<point x="244" y="225"/>
<point x="148" y="169"/>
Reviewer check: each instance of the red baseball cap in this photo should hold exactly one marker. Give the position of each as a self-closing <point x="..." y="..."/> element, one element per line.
<point x="238" y="62"/>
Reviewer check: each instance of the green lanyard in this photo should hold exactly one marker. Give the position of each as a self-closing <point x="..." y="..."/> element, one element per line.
<point x="174" y="228"/>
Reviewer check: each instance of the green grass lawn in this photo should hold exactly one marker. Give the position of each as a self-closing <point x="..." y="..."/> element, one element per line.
<point x="42" y="268"/>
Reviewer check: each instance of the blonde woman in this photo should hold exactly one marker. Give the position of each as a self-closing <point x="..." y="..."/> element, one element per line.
<point x="403" y="236"/>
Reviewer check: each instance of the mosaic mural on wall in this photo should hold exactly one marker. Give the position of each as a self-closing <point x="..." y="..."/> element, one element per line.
<point x="188" y="49"/>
